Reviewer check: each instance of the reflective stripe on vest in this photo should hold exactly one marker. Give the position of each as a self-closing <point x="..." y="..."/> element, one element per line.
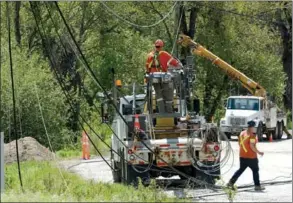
<point x="156" y="61"/>
<point x="242" y="142"/>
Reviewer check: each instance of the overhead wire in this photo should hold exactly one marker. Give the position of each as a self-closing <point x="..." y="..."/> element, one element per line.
<point x="47" y="135"/>
<point x="163" y="160"/>
<point x="61" y="85"/>
<point x="105" y="92"/>
<point x="1" y="67"/>
<point x="176" y="34"/>
<point x="252" y="17"/>
<point x="134" y="24"/>
<point x="68" y="99"/>
<point x="84" y="92"/>
<point x="13" y="94"/>
<point x="85" y="89"/>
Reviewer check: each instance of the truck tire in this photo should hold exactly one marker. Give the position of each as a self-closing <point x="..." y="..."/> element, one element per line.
<point x="259" y="132"/>
<point x="275" y="132"/>
<point x="209" y="179"/>
<point x="280" y="132"/>
<point x="188" y="170"/>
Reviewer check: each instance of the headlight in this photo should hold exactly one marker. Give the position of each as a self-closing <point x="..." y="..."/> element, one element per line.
<point x="223" y="122"/>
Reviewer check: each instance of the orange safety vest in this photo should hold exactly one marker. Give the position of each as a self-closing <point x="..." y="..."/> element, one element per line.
<point x="244" y="142"/>
<point x="158" y="61"/>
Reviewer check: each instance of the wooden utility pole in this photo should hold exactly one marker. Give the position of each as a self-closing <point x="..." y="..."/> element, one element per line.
<point x="176" y="28"/>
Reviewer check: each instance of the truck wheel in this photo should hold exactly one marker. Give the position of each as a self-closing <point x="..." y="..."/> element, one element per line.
<point x="188" y="170"/>
<point x="280" y="132"/>
<point x="259" y="132"/>
<point x="209" y="178"/>
<point x="275" y="132"/>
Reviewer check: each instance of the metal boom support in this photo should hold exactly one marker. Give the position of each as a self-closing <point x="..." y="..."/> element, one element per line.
<point x="252" y="86"/>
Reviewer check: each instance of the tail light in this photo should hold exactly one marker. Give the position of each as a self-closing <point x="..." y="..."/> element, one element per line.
<point x="130" y="151"/>
<point x="216" y="148"/>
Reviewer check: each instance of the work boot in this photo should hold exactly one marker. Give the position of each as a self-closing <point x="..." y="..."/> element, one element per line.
<point x="230" y="186"/>
<point x="259" y="188"/>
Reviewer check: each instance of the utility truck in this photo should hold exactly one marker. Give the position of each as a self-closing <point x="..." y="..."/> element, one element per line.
<point x="270" y="120"/>
<point x="147" y="144"/>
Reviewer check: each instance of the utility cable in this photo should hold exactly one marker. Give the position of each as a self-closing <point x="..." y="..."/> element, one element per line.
<point x="99" y="84"/>
<point x="0" y="68"/>
<point x="47" y="135"/>
<point x="176" y="34"/>
<point x="13" y="93"/>
<point x="252" y="17"/>
<point x="65" y="91"/>
<point x="136" y="25"/>
<point x="117" y="110"/>
<point x="69" y="98"/>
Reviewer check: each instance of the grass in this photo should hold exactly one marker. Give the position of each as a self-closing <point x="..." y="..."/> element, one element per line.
<point x="68" y="153"/>
<point x="75" y="151"/>
<point x="43" y="183"/>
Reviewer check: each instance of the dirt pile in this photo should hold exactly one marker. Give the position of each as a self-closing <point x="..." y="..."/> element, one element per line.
<point x="29" y="149"/>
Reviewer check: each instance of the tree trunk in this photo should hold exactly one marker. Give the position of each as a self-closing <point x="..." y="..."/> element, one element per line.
<point x="285" y="28"/>
<point x="17" y="22"/>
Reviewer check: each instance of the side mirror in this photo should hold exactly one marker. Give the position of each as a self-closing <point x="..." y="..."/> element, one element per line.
<point x="196" y="105"/>
<point x="104" y="112"/>
<point x="225" y="103"/>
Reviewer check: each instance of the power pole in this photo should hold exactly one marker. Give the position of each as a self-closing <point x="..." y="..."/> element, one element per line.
<point x="176" y="28"/>
<point x="2" y="162"/>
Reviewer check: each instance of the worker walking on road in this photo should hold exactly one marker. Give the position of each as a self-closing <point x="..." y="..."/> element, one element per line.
<point x="248" y="156"/>
<point x="159" y="61"/>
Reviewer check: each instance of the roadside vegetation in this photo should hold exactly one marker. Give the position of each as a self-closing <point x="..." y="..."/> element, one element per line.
<point x="255" y="45"/>
<point x="43" y="182"/>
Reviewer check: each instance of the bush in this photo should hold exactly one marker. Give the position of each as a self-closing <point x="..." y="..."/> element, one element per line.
<point x="42" y="181"/>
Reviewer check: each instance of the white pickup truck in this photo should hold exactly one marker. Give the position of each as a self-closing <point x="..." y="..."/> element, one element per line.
<point x="240" y="109"/>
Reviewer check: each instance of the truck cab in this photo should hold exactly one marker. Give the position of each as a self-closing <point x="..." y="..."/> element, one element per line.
<point x="241" y="109"/>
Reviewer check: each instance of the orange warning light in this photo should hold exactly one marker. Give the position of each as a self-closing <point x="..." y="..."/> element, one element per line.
<point x="118" y="83"/>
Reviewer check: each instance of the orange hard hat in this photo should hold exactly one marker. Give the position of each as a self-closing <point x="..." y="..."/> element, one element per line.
<point x="159" y="43"/>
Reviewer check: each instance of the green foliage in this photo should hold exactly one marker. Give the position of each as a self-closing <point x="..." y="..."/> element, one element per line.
<point x="230" y="192"/>
<point x="251" y="45"/>
<point x="43" y="180"/>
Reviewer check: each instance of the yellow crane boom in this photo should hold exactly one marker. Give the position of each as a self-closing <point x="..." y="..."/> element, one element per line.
<point x="197" y="49"/>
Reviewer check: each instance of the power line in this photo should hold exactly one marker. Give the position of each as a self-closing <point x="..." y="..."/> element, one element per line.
<point x="89" y="69"/>
<point x="0" y="68"/>
<point x="252" y="17"/>
<point x="48" y="138"/>
<point x="84" y="92"/>
<point x="13" y="92"/>
<point x="60" y="81"/>
<point x="136" y="25"/>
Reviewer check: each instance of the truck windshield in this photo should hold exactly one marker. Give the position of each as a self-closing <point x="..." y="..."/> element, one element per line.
<point x="243" y="104"/>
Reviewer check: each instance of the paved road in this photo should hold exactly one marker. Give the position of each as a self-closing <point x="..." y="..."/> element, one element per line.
<point x="276" y="164"/>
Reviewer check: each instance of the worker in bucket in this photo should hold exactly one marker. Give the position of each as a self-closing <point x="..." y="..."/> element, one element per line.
<point x="159" y="61"/>
<point x="248" y="156"/>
